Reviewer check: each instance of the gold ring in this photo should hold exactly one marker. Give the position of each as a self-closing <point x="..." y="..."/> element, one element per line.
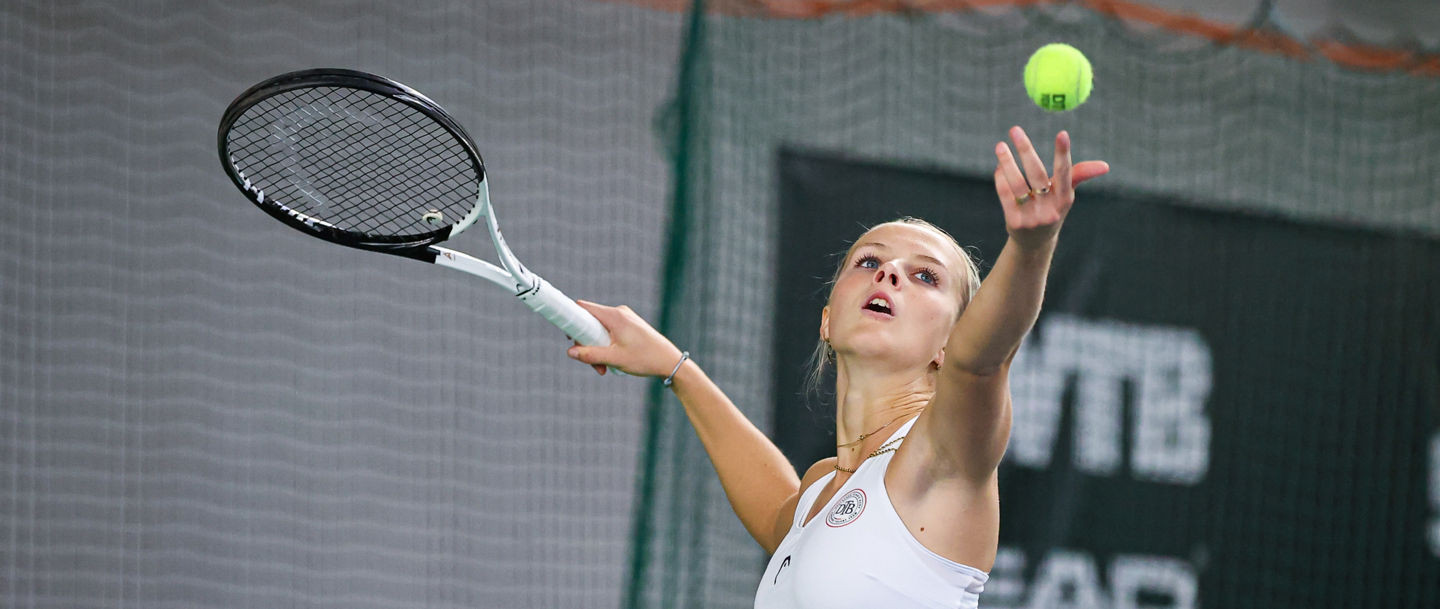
<point x="1025" y="198"/>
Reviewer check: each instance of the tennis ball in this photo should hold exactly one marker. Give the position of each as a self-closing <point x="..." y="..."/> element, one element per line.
<point x="1058" y="77"/>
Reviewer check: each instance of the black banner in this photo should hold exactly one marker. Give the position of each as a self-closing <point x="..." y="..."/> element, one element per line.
<point x="1215" y="409"/>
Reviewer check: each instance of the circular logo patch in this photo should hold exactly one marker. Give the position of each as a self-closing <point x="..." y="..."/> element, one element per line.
<point x="847" y="509"/>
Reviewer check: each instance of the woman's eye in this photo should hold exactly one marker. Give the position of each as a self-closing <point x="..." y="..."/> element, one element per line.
<point x="868" y="262"/>
<point x="927" y="276"/>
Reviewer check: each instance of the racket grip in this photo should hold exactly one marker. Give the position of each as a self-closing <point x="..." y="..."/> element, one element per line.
<point x="561" y="310"/>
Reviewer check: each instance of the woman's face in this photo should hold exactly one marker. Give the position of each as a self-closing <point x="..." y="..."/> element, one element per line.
<point x="897" y="297"/>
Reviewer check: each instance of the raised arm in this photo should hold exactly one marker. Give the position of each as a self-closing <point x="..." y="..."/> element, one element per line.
<point x="968" y="422"/>
<point x="758" y="480"/>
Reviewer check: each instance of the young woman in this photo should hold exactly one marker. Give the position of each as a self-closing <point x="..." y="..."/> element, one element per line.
<point x="907" y="513"/>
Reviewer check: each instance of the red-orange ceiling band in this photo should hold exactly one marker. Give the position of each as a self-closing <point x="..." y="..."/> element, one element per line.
<point x="1353" y="55"/>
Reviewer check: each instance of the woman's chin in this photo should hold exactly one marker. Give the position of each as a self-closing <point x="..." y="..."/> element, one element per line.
<point x="881" y="353"/>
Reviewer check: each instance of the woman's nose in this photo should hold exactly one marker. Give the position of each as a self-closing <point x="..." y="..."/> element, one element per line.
<point x="888" y="273"/>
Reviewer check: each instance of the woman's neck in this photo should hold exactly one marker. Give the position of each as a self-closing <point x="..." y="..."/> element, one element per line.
<point x="874" y="404"/>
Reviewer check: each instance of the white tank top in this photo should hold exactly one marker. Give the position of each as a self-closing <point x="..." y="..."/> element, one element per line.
<point x="857" y="553"/>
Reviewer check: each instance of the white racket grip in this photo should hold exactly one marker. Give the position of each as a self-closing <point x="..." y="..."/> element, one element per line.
<point x="561" y="310"/>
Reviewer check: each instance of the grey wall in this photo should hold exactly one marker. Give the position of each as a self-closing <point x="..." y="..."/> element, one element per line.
<point x="201" y="407"/>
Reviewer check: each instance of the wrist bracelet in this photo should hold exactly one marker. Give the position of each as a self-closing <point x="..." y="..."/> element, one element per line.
<point x="670" y="380"/>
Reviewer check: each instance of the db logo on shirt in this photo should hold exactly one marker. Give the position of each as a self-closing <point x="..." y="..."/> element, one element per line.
<point x="847" y="509"/>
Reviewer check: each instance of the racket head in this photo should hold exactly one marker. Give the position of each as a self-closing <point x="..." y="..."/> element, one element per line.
<point x="355" y="159"/>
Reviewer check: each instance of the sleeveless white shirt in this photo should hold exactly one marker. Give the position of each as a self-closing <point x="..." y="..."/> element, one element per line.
<point x="857" y="553"/>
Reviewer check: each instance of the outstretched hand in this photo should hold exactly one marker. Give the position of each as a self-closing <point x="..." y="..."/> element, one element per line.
<point x="1036" y="203"/>
<point x="635" y="347"/>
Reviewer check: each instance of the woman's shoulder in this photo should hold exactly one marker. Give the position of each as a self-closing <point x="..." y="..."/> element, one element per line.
<point x="816" y="472"/>
<point x="785" y="519"/>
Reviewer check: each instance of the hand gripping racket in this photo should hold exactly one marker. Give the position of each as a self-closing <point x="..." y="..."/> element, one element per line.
<point x="366" y="162"/>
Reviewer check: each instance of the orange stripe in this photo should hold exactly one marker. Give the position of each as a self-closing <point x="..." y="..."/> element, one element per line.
<point x="1352" y="55"/>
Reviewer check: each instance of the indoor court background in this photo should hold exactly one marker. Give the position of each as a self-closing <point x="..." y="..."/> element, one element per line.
<point x="200" y="407"/>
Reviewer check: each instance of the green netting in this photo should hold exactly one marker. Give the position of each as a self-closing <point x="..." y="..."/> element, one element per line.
<point x="1181" y="120"/>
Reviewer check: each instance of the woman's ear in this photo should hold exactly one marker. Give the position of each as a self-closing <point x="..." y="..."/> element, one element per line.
<point x="825" y="324"/>
<point x="939" y="359"/>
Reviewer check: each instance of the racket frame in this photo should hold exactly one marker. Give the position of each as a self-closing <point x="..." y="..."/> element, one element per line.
<point x="535" y="291"/>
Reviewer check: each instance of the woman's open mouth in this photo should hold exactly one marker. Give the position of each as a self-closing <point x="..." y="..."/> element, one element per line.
<point x="880" y="305"/>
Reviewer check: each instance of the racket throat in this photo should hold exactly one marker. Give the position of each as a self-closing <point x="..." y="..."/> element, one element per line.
<point x="528" y="293"/>
<point x="518" y="284"/>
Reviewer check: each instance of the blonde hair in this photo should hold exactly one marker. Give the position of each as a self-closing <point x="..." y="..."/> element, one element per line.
<point x="967" y="285"/>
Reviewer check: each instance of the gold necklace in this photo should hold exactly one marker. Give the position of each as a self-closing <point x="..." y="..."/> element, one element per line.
<point x="877" y="430"/>
<point x="888" y="447"/>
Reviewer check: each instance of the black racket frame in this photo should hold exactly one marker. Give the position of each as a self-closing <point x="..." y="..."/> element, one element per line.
<point x="410" y="246"/>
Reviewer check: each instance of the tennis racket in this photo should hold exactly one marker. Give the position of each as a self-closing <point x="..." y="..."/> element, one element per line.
<point x="366" y="162"/>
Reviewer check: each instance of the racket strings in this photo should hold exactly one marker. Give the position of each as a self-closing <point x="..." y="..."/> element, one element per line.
<point x="359" y="161"/>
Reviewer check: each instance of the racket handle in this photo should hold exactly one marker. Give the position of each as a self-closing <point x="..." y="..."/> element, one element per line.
<point x="561" y="310"/>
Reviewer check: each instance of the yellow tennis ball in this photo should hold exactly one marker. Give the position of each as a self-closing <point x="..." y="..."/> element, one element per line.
<point x="1058" y="77"/>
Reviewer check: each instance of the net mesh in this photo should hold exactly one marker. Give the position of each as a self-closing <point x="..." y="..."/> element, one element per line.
<point x="1213" y="127"/>
<point x="360" y="161"/>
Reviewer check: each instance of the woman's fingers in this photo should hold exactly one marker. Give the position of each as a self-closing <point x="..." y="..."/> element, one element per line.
<point x="1009" y="171"/>
<point x="1086" y="170"/>
<point x="1026" y="155"/>
<point x="605" y="315"/>
<point x="635" y="347"/>
<point x="1006" y="195"/>
<point x="1035" y="176"/>
<point x="589" y="354"/>
<point x="1035" y="207"/>
<point x="597" y="356"/>
<point x="1062" y="185"/>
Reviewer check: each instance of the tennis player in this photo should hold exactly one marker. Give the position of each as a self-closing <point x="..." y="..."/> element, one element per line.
<point x="907" y="513"/>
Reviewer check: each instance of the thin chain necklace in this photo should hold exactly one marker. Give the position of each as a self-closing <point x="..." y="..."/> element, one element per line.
<point x="888" y="447"/>
<point x="877" y="430"/>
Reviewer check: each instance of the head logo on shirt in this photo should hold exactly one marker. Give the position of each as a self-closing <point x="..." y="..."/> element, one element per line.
<point x="847" y="509"/>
